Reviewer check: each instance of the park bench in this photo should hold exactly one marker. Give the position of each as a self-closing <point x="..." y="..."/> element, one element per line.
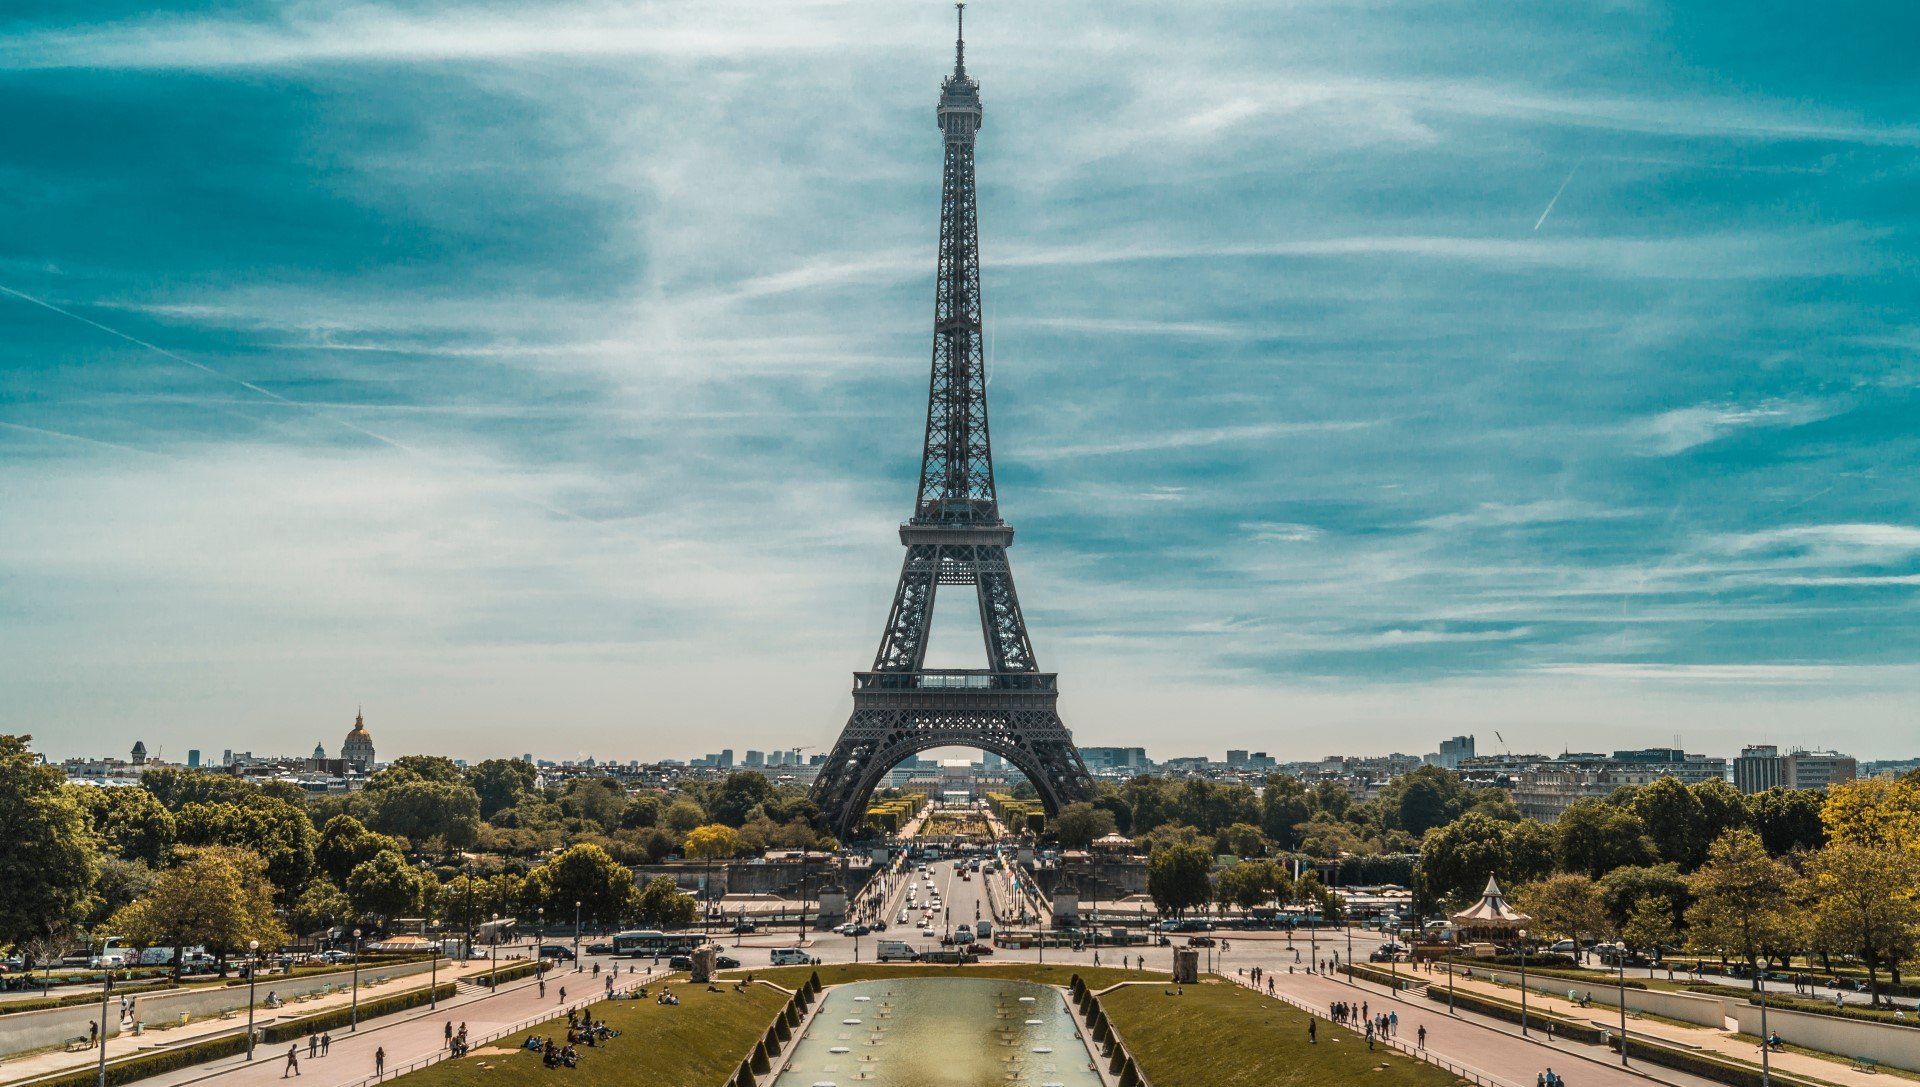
<point x="1865" y="1064"/>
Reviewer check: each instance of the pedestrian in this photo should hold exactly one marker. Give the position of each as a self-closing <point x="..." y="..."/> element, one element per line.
<point x="313" y="1046"/>
<point x="1421" y="1035"/>
<point x="379" y="1061"/>
<point x="563" y="994"/>
<point x="1313" y="1032"/>
<point x="543" y="988"/>
<point x="1369" y="1034"/>
<point x="93" y="1034"/>
<point x="326" y="1043"/>
<point x="293" y="1061"/>
<point x="448" y="1043"/>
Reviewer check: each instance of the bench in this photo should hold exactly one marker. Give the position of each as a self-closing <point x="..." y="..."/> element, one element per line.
<point x="1865" y="1064"/>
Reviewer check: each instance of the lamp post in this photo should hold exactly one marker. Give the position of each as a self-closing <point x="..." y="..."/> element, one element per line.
<point x="577" y="965"/>
<point x="253" y="946"/>
<point x="493" y="944"/>
<point x="356" y="982"/>
<point x="1449" y="988"/>
<point x="106" y="986"/>
<point x="1350" y="980"/>
<point x="1622" y="958"/>
<point x="1523" y="983"/>
<point x="1766" y="1042"/>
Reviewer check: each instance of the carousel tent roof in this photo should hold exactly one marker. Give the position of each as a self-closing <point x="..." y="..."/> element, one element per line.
<point x="1491" y="911"/>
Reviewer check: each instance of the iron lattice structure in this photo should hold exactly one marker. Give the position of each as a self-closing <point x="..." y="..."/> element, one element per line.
<point x="955" y="537"/>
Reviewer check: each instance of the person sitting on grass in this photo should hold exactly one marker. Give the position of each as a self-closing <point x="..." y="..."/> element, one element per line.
<point x="568" y="1057"/>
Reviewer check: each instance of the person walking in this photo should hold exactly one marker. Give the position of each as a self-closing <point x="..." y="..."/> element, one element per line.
<point x="543" y="988"/>
<point x="313" y="1046"/>
<point x="379" y="1061"/>
<point x="1313" y="1032"/>
<point x="563" y="994"/>
<point x="93" y="1034"/>
<point x="1421" y="1035"/>
<point x="326" y="1043"/>
<point x="293" y="1061"/>
<point x="447" y="1042"/>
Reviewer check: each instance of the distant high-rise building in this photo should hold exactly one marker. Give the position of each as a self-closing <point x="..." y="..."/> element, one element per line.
<point x="1114" y="758"/>
<point x="1819" y="769"/>
<point x="755" y="759"/>
<point x="527" y="758"/>
<point x="726" y="758"/>
<point x="1236" y="757"/>
<point x="139" y="753"/>
<point x="1454" y="752"/>
<point x="226" y="757"/>
<point x="1758" y="768"/>
<point x="193" y="758"/>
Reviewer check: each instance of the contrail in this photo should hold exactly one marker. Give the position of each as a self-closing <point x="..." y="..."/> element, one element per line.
<point x="61" y="434"/>
<point x="277" y="398"/>
<point x="1556" y="196"/>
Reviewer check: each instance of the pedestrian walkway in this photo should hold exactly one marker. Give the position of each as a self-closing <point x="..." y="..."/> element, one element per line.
<point x="1724" y="1042"/>
<point x="127" y="1043"/>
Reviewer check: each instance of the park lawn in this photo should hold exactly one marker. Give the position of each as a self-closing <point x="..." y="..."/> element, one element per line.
<point x="1098" y="977"/>
<point x="701" y="1041"/>
<point x="1218" y="1034"/>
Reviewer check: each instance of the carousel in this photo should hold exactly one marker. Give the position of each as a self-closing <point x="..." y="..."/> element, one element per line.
<point x="1490" y="920"/>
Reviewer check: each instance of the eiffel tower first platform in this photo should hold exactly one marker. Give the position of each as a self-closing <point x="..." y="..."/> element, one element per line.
<point x="955" y="537"/>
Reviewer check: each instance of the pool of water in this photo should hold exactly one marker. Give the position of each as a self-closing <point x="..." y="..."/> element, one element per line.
<point x="940" y="1032"/>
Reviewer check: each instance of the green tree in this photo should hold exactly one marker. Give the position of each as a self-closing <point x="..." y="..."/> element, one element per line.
<point x="1874" y="812"/>
<point x="387" y="887"/>
<point x="1789" y="820"/>
<point x="1624" y="888"/>
<point x="596" y="801"/>
<point x="130" y="823"/>
<point x="418" y="768"/>
<point x="1426" y="798"/>
<point x="500" y="783"/>
<point x="1283" y="806"/>
<point x="1456" y="859"/>
<point x="48" y="859"/>
<point x="1674" y="820"/>
<point x="1741" y="905"/>
<point x="1177" y="878"/>
<point x="320" y="906"/>
<point x="345" y="844"/>
<point x="120" y="883"/>
<point x="1080" y="824"/>
<point x="1240" y="840"/>
<point x="662" y="904"/>
<point x="218" y="897"/>
<point x="426" y="809"/>
<point x="1251" y="883"/>
<point x="1864" y="904"/>
<point x="739" y="794"/>
<point x="1566" y="905"/>
<point x="278" y="831"/>
<point x="1649" y="925"/>
<point x="684" y="814"/>
<point x="175" y="787"/>
<point x="1595" y="837"/>
<point x="644" y="810"/>
<point x="585" y="874"/>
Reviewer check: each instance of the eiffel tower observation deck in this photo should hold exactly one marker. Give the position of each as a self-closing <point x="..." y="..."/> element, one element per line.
<point x="955" y="537"/>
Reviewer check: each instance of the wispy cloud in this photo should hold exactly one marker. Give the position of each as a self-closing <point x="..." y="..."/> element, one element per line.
<point x="1681" y="429"/>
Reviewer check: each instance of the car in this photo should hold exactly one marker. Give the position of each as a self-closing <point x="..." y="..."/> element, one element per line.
<point x="978" y="948"/>
<point x="1199" y="941"/>
<point x="860" y="930"/>
<point x="928" y="931"/>
<point x="559" y="952"/>
<point x="680" y="962"/>
<point x="599" y="949"/>
<point x="1381" y="954"/>
<point x="336" y="955"/>
<point x="790" y="956"/>
<point x="743" y="928"/>
<point x="726" y="962"/>
<point x="1564" y="947"/>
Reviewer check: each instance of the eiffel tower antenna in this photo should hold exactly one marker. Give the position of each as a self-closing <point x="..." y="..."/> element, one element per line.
<point x="955" y="538"/>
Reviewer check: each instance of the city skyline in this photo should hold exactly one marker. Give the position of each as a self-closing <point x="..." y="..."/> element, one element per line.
<point x="520" y="378"/>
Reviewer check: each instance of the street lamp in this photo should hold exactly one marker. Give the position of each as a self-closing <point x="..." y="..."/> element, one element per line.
<point x="1523" y="982"/>
<point x="1623" y="1004"/>
<point x="253" y="972"/>
<point x="576" y="936"/>
<point x="1350" y="980"/>
<point x="106" y="986"/>
<point x="493" y="943"/>
<point x="1766" y="1041"/>
<point x="356" y="981"/>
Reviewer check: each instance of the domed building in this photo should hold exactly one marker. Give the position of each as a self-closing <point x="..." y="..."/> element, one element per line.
<point x="357" y="750"/>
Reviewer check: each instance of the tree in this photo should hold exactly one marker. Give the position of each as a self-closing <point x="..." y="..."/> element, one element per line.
<point x="740" y="793"/>
<point x="1740" y="899"/>
<point x="1177" y="878"/>
<point x="1284" y="806"/>
<point x="175" y="787"/>
<point x="418" y="768"/>
<point x="1649" y="925"/>
<point x="218" y="897"/>
<point x="1789" y="819"/>
<point x="1623" y="889"/>
<point x="1864" y="904"/>
<point x="1674" y="819"/>
<point x="1240" y="840"/>
<point x="321" y="905"/>
<point x="714" y="841"/>
<point x="1080" y="824"/>
<point x="48" y="859"/>
<point x="1566" y="904"/>
<point x="120" y="882"/>
<point x="277" y="830"/>
<point x="1251" y="883"/>
<point x="425" y="809"/>
<point x="643" y="810"/>
<point x="596" y="801"/>
<point x="585" y="874"/>
<point x="500" y="783"/>
<point x="662" y="904"/>
<point x="130" y="823"/>
<point x="1428" y="797"/>
<point x="1595" y="837"/>
<point x="387" y="887"/>
<point x="1457" y="858"/>
<point x="684" y="814"/>
<point x="345" y="844"/>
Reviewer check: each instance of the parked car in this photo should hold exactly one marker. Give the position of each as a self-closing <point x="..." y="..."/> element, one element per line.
<point x="1199" y="941"/>
<point x="861" y="930"/>
<point x="336" y="955"/>
<point x="743" y="927"/>
<point x="978" y="948"/>
<point x="599" y="949"/>
<point x="1564" y="947"/>
<point x="1381" y="954"/>
<point x="726" y="962"/>
<point x="558" y="952"/>
<point x="680" y="962"/>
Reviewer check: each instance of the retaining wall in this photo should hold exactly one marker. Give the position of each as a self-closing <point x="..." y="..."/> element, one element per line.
<point x="1887" y="1043"/>
<point x="1699" y="1009"/>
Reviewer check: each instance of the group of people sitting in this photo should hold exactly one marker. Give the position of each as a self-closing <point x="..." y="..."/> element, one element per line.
<point x="666" y="996"/>
<point x="457" y="1044"/>
<point x="554" y="1056"/>
<point x="582" y="1029"/>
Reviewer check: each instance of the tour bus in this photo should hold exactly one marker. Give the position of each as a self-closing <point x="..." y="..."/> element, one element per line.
<point x="644" y="942"/>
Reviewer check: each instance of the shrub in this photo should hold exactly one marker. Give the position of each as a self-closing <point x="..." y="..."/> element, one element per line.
<point x="1500" y="1009"/>
<point x="1701" y="1063"/>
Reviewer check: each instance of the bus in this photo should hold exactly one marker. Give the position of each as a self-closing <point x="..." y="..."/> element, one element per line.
<point x="644" y="942"/>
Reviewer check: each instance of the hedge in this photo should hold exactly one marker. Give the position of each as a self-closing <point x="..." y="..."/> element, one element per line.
<point x="162" y="1061"/>
<point x="1701" y="1063"/>
<point x="507" y="973"/>
<point x="1500" y="1009"/>
<point x="369" y="963"/>
<point x="1384" y="977"/>
<point x="14" y="1007"/>
<point x="1590" y="978"/>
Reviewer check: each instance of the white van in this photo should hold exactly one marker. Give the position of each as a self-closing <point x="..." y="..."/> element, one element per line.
<point x="896" y="951"/>
<point x="791" y="956"/>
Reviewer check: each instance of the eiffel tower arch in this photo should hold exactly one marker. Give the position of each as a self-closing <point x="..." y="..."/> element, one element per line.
<point x="955" y="538"/>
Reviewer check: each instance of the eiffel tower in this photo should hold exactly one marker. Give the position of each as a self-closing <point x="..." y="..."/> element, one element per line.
<point x="955" y="537"/>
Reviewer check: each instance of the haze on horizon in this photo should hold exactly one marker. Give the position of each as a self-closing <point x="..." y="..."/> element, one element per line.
<point x="550" y="377"/>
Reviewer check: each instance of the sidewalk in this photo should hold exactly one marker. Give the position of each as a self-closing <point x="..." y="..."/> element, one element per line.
<point x="1722" y="1042"/>
<point x="127" y="1044"/>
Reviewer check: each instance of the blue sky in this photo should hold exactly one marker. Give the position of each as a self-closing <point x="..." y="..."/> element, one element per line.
<point x="549" y="377"/>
